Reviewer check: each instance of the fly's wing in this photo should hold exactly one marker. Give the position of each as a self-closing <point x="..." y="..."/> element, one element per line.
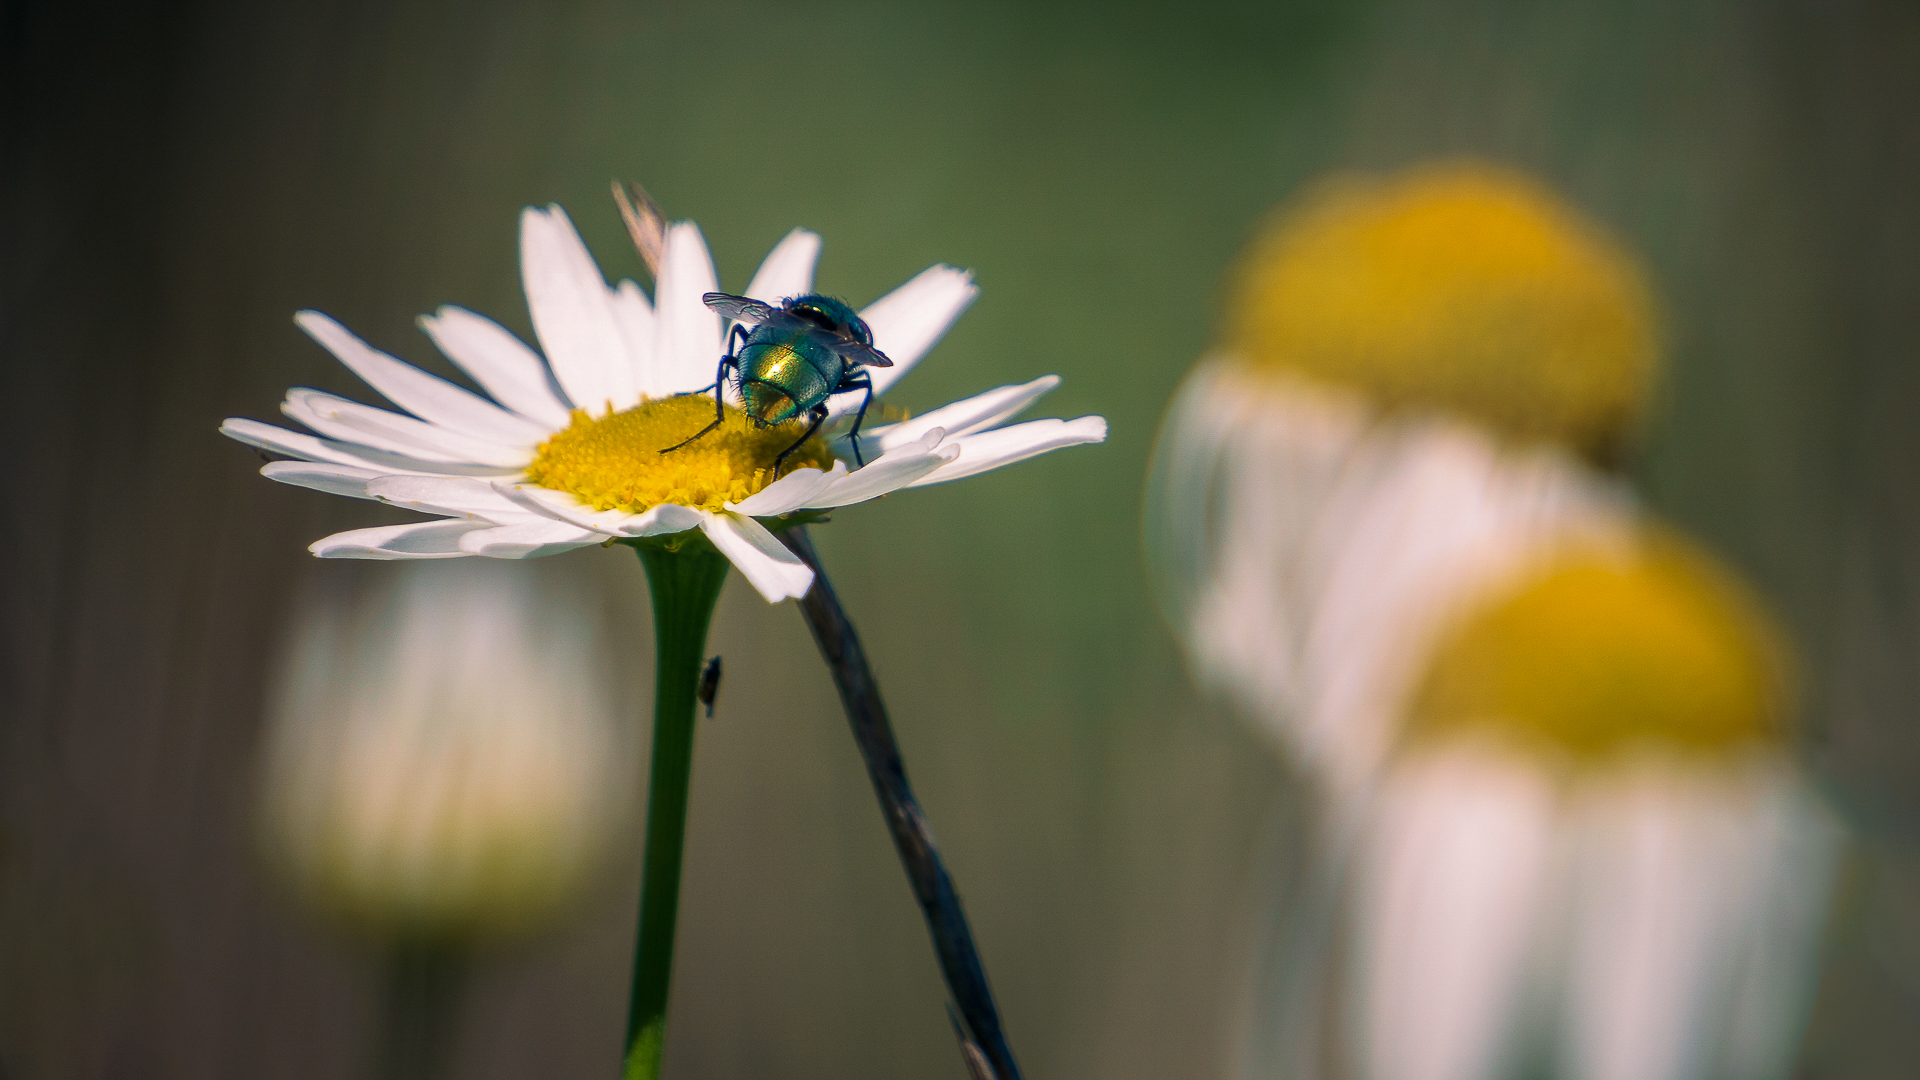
<point x="739" y="308"/>
<point x="853" y="351"/>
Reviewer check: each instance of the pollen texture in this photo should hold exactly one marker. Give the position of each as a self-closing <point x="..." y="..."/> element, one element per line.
<point x="1459" y="288"/>
<point x="616" y="463"/>
<point x="1602" y="651"/>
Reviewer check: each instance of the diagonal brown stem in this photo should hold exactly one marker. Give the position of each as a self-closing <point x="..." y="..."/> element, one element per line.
<point x="979" y="1021"/>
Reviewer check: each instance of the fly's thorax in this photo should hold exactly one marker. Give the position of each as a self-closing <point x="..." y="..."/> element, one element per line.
<point x="781" y="377"/>
<point x="831" y="313"/>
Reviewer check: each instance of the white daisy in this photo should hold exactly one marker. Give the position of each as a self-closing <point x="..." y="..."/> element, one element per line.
<point x="441" y="755"/>
<point x="566" y="452"/>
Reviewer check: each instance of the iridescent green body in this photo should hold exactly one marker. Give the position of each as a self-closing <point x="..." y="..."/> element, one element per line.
<point x="790" y="359"/>
<point x="783" y="373"/>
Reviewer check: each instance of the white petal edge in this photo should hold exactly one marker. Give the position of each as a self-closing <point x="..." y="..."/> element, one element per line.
<point x="527" y="540"/>
<point x="787" y="271"/>
<point x="909" y="320"/>
<point x="560" y="506"/>
<point x="297" y="444"/>
<point x="419" y="540"/>
<point x="428" y="397"/>
<point x="501" y="363"/>
<point x="351" y="422"/>
<point x="348" y="480"/>
<point x="759" y="555"/>
<point x="789" y="493"/>
<point x="966" y="416"/>
<point x="573" y="313"/>
<point x="453" y="496"/>
<point x="687" y="344"/>
<point x="896" y="470"/>
<point x="1004" y="446"/>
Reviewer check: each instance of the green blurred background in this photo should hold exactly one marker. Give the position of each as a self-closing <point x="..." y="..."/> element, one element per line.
<point x="178" y="179"/>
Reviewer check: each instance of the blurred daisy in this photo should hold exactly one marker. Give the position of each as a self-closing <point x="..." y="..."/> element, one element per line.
<point x="1410" y="374"/>
<point x="440" y="761"/>
<point x="1590" y="850"/>
<point x="567" y="451"/>
<point x="1417" y="381"/>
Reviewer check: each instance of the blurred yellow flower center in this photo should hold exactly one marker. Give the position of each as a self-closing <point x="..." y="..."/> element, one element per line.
<point x="615" y="462"/>
<point x="1460" y="288"/>
<point x="1601" y="652"/>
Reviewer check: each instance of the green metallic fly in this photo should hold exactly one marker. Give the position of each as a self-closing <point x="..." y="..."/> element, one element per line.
<point x="795" y="357"/>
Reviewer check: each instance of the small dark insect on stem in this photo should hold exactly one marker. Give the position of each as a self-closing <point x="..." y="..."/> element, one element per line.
<point x="975" y="1019"/>
<point x="709" y="685"/>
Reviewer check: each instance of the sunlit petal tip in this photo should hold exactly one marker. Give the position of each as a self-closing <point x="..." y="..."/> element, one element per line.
<point x="761" y="558"/>
<point x="573" y="313"/>
<point x="348" y="480"/>
<point x="909" y="320"/>
<point x="787" y="271"/>
<point x="1003" y="446"/>
<point x="419" y="540"/>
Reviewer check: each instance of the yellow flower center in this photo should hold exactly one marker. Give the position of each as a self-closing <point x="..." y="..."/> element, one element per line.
<point x="617" y="463"/>
<point x="1461" y="288"/>
<point x="1598" y="652"/>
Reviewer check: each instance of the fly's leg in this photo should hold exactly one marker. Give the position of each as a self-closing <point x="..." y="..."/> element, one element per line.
<point x="819" y="414"/>
<point x="853" y="433"/>
<point x="719" y="404"/>
<point x="731" y="359"/>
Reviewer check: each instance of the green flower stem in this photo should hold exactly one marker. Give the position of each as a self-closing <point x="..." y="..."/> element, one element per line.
<point x="685" y="581"/>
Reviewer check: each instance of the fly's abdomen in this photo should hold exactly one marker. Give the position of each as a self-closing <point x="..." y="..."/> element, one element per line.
<point x="780" y="380"/>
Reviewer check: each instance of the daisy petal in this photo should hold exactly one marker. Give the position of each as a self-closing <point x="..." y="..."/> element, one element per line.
<point x="501" y="363"/>
<point x="279" y="440"/>
<point x="527" y="540"/>
<point x="907" y="321"/>
<point x="789" y="493"/>
<point x="892" y="472"/>
<point x="573" y="314"/>
<point x="787" y="271"/>
<point x="454" y="496"/>
<point x="687" y="345"/>
<point x="425" y="396"/>
<point x="1449" y="890"/>
<point x="306" y="447"/>
<point x="660" y="520"/>
<point x="760" y="556"/>
<point x="633" y="312"/>
<point x="348" y="480"/>
<point x="560" y="506"/>
<point x="352" y="422"/>
<point x="1004" y="446"/>
<point x="965" y="417"/>
<point x="419" y="540"/>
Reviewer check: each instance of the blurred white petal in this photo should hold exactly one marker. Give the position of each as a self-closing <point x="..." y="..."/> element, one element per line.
<point x="1450" y="890"/>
